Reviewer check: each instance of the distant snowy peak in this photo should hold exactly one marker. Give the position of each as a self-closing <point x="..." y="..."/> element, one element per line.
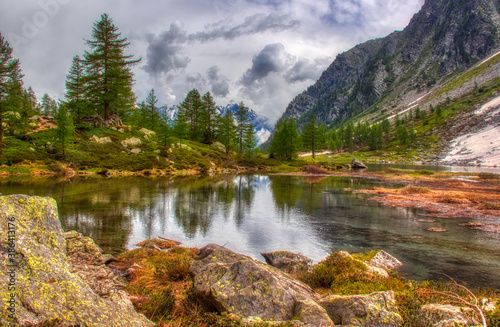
<point x="260" y="123"/>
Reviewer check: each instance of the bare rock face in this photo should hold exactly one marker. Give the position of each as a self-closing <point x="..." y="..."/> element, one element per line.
<point x="288" y="262"/>
<point x="374" y="310"/>
<point x="43" y="289"/>
<point x="234" y="283"/>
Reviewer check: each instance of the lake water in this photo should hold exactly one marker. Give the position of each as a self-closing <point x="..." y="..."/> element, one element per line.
<point x="257" y="213"/>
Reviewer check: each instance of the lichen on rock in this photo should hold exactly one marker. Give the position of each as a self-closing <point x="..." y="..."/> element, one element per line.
<point x="234" y="283"/>
<point x="46" y="291"/>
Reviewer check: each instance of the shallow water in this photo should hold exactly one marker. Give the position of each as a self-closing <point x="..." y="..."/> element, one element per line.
<point x="255" y="213"/>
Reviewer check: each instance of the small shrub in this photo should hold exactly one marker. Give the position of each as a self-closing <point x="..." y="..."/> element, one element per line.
<point x="425" y="172"/>
<point x="312" y="169"/>
<point x="453" y="199"/>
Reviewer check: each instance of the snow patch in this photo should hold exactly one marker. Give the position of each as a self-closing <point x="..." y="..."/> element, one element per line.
<point x="481" y="147"/>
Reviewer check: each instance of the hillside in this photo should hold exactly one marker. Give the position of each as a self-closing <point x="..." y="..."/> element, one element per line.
<point x="381" y="77"/>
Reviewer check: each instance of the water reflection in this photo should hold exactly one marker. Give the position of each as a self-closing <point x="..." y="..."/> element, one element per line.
<point x="252" y="214"/>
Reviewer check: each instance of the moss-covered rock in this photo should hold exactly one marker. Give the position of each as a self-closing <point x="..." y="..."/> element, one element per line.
<point x="40" y="285"/>
<point x="375" y="310"/>
<point x="234" y="283"/>
<point x="446" y="315"/>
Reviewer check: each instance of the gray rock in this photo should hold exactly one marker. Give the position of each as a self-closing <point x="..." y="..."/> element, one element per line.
<point x="234" y="283"/>
<point x="385" y="260"/>
<point x="446" y="315"/>
<point x="135" y="151"/>
<point x="288" y="262"/>
<point x="357" y="164"/>
<point x="375" y="310"/>
<point x="148" y="134"/>
<point x="131" y="142"/>
<point x="51" y="293"/>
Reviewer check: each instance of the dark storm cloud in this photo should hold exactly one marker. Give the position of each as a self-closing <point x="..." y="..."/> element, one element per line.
<point x="219" y="83"/>
<point x="271" y="59"/>
<point x="258" y="23"/>
<point x="164" y="53"/>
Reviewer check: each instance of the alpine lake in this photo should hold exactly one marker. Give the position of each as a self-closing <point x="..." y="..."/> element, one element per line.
<point x="251" y="214"/>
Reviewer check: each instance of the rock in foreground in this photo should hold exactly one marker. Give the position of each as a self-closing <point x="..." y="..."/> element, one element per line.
<point x="232" y="282"/>
<point x="374" y="310"/>
<point x="46" y="291"/>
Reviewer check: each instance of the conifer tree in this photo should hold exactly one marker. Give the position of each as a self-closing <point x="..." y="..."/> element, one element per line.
<point x="65" y="128"/>
<point x="49" y="105"/>
<point x="75" y="89"/>
<point x="249" y="140"/>
<point x="109" y="75"/>
<point x="227" y="133"/>
<point x="208" y="118"/>
<point x="150" y="106"/>
<point x="313" y="136"/>
<point x="286" y="140"/>
<point x="242" y="124"/>
<point x="191" y="108"/>
<point x="10" y="80"/>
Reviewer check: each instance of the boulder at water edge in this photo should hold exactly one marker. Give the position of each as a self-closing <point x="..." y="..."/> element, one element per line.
<point x="42" y="286"/>
<point x="374" y="310"/>
<point x="234" y="283"/>
<point x="357" y="164"/>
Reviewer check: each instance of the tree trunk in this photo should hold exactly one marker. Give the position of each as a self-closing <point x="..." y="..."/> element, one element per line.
<point x="1" y="125"/>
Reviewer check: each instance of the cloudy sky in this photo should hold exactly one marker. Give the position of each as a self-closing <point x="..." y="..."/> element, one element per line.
<point x="261" y="52"/>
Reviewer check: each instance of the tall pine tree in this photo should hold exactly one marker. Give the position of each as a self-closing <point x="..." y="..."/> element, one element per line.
<point x="286" y="141"/>
<point x="109" y="75"/>
<point x="10" y="80"/>
<point x="75" y="89"/>
<point x="227" y="132"/>
<point x="209" y="118"/>
<point x="243" y="123"/>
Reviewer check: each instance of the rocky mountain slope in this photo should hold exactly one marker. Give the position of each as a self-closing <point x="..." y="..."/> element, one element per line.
<point x="381" y="76"/>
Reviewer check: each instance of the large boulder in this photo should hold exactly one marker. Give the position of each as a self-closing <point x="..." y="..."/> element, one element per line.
<point x="357" y="164"/>
<point x="446" y="315"/>
<point x="41" y="286"/>
<point x="230" y="282"/>
<point x="375" y="310"/>
<point x="131" y="142"/>
<point x="288" y="262"/>
<point x="217" y="146"/>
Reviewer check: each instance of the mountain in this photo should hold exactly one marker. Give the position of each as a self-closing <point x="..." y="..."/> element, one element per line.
<point x="382" y="76"/>
<point x="260" y="123"/>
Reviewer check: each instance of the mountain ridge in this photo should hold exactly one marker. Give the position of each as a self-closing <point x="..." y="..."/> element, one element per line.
<point x="381" y="75"/>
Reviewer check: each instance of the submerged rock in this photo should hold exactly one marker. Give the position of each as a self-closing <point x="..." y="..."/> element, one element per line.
<point x="374" y="310"/>
<point x="288" y="262"/>
<point x="44" y="290"/>
<point x="234" y="283"/>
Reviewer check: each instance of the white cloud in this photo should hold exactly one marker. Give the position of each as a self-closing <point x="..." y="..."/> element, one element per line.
<point x="180" y="41"/>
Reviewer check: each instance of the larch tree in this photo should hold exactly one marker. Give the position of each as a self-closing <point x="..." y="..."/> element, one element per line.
<point x="109" y="74"/>
<point x="243" y="121"/>
<point x="10" y="80"/>
<point x="313" y="136"/>
<point x="227" y="132"/>
<point x="152" y="114"/>
<point x="65" y="128"/>
<point x="75" y="89"/>
<point x="192" y="109"/>
<point x="49" y="105"/>
<point x="286" y="140"/>
<point x="209" y="117"/>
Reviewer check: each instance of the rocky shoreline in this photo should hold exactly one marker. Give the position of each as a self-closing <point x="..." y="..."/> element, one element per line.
<point x="63" y="279"/>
